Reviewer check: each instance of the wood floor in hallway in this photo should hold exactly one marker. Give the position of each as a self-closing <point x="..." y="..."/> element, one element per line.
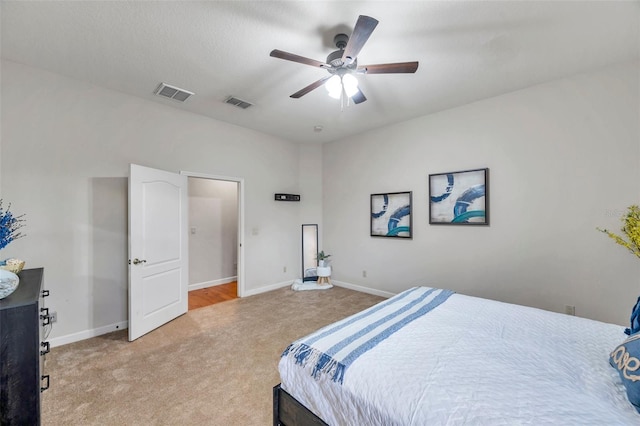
<point x="210" y="295"/>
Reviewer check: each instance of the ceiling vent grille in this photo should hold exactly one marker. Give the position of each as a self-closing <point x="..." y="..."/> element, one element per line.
<point x="173" y="92"/>
<point x="238" y="102"/>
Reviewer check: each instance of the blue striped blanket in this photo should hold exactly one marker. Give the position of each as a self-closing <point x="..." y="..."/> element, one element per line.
<point x="332" y="349"/>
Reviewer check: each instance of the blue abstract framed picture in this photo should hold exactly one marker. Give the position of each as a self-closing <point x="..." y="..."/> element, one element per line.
<point x="391" y="215"/>
<point x="459" y="198"/>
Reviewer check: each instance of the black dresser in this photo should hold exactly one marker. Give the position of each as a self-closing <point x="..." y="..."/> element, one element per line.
<point x="23" y="319"/>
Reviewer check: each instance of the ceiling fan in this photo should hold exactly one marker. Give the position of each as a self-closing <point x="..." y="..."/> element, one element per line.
<point x="343" y="63"/>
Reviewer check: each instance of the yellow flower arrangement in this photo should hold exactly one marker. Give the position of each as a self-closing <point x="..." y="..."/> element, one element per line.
<point x="631" y="228"/>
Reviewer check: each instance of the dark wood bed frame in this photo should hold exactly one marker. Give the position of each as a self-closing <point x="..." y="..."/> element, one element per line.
<point x="288" y="411"/>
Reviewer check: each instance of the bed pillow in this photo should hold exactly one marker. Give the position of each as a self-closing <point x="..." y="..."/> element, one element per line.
<point x="626" y="359"/>
<point x="635" y="319"/>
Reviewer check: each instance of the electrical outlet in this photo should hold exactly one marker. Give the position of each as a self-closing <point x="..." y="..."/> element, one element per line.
<point x="53" y="317"/>
<point x="284" y="269"/>
<point x="569" y="309"/>
<point x="364" y="274"/>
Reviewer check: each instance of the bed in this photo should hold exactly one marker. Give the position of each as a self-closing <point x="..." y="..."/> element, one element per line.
<point x="432" y="357"/>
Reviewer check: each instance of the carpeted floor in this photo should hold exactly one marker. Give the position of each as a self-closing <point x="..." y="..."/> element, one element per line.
<point x="212" y="366"/>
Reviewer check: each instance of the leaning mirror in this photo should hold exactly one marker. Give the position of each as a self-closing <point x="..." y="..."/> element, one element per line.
<point x="309" y="252"/>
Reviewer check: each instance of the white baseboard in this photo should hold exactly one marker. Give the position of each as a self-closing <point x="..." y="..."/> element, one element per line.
<point x="266" y="289"/>
<point x="87" y="334"/>
<point x="205" y="284"/>
<point x="350" y="286"/>
<point x="362" y="289"/>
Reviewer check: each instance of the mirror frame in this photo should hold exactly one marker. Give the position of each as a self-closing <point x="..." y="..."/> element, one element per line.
<point x="309" y="249"/>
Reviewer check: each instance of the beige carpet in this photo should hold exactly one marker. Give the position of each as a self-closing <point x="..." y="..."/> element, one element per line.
<point x="213" y="366"/>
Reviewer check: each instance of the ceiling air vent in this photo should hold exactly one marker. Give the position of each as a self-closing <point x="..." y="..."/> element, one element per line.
<point x="238" y="102"/>
<point x="172" y="92"/>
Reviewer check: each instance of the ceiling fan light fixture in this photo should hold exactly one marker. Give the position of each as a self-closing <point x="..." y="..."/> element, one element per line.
<point x="336" y="84"/>
<point x="334" y="87"/>
<point x="350" y="84"/>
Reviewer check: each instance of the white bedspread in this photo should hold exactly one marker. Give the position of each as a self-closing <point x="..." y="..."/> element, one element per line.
<point x="477" y="362"/>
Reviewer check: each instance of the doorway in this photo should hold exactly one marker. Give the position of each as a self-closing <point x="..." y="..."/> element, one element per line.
<point x="215" y="238"/>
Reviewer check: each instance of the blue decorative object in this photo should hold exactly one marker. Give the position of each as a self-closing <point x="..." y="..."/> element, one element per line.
<point x="8" y="283"/>
<point x="635" y="319"/>
<point x="9" y="226"/>
<point x="625" y="359"/>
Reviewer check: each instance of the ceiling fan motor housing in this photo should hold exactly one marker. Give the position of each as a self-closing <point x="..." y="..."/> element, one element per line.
<point x="335" y="58"/>
<point x="341" y="40"/>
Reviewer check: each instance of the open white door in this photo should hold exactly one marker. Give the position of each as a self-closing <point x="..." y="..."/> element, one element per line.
<point x="158" y="246"/>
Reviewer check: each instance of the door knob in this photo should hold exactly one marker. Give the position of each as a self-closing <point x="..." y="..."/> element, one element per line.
<point x="137" y="261"/>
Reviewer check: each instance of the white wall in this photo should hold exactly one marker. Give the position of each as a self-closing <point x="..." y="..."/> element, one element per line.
<point x="564" y="158"/>
<point x="213" y="232"/>
<point x="310" y="176"/>
<point x="311" y="193"/>
<point x="66" y="149"/>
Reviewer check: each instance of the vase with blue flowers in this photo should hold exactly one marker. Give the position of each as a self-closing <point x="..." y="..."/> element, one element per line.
<point x="10" y="226"/>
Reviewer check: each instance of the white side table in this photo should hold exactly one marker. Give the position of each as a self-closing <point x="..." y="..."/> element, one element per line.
<point x="324" y="274"/>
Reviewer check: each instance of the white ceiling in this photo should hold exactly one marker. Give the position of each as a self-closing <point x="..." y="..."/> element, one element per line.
<point x="467" y="51"/>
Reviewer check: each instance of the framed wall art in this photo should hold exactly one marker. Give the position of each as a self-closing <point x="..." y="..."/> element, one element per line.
<point x="459" y="198"/>
<point x="391" y="215"/>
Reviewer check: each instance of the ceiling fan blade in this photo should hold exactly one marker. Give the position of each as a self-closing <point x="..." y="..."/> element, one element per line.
<point x="310" y="87"/>
<point x="361" y="32"/>
<point x="395" y="68"/>
<point x="297" y="58"/>
<point x="358" y="97"/>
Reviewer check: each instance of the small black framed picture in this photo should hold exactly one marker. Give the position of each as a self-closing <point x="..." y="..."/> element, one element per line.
<point x="391" y="215"/>
<point x="459" y="198"/>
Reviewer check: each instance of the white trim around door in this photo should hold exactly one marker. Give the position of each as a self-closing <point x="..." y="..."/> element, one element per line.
<point x="240" y="182"/>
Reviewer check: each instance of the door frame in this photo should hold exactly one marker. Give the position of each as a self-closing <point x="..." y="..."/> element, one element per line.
<point x="240" y="247"/>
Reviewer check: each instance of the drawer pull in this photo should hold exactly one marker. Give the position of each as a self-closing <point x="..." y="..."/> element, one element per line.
<point x="44" y="388"/>
<point x="46" y="320"/>
<point x="47" y="347"/>
<point x="45" y="293"/>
